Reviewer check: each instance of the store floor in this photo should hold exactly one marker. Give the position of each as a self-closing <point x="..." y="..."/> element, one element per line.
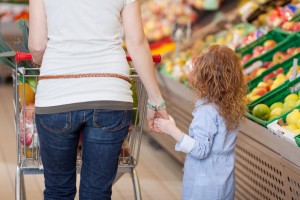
<point x="160" y="176"/>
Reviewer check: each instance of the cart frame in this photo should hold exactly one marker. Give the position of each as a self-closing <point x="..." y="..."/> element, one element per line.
<point x="29" y="159"/>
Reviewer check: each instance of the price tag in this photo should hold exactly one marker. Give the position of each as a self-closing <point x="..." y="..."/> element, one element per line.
<point x="294" y="72"/>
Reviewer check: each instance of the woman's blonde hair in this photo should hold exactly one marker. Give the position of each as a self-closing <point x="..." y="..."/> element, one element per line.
<point x="217" y="75"/>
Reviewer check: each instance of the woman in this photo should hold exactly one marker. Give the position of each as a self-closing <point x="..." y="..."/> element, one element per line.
<point x="77" y="42"/>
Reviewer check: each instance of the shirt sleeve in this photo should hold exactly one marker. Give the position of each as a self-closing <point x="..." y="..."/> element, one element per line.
<point x="202" y="131"/>
<point x="129" y="1"/>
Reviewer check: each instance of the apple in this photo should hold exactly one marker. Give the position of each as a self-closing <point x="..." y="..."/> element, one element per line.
<point x="286" y="56"/>
<point x="258" y="50"/>
<point x="266" y="64"/>
<point x="269" y="44"/>
<point x="278" y="56"/>
<point x="268" y="77"/>
<point x="296" y="27"/>
<point x="261" y="91"/>
<point x="260" y="71"/>
<point x="291" y="50"/>
<point x="246" y="58"/>
<point x="287" y="25"/>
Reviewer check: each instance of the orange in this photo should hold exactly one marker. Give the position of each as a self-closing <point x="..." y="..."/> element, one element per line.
<point x="29" y="94"/>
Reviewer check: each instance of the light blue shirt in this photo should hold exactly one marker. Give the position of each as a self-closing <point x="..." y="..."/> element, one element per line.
<point x="210" y="148"/>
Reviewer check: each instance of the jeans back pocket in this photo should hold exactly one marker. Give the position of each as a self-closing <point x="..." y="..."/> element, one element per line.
<point x="111" y="120"/>
<point x="56" y="123"/>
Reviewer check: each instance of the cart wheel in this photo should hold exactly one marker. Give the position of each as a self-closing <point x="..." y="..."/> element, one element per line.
<point x="154" y="144"/>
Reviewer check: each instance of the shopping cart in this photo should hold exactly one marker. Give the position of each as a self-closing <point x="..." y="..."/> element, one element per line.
<point x="28" y="152"/>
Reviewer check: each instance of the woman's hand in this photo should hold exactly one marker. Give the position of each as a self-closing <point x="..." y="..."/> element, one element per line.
<point x="169" y="127"/>
<point x="152" y="115"/>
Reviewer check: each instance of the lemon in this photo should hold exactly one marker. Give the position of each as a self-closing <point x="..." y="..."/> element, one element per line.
<point x="293" y="117"/>
<point x="291" y="127"/>
<point x="288" y="105"/>
<point x="276" y="105"/>
<point x="291" y="97"/>
<point x="296" y="131"/>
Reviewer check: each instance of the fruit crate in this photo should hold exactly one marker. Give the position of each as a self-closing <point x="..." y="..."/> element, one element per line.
<point x="286" y="65"/>
<point x="290" y="40"/>
<point x="276" y="95"/>
<point x="282" y="132"/>
<point x="274" y="34"/>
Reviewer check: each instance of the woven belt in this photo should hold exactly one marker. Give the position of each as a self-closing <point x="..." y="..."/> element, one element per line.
<point x="45" y="77"/>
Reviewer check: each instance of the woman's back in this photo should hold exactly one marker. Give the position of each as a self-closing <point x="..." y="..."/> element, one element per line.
<point x="83" y="37"/>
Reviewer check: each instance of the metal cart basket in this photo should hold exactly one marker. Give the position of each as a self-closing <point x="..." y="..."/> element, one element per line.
<point x="28" y="152"/>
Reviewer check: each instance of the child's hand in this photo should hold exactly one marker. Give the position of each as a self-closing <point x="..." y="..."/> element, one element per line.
<point x="167" y="126"/>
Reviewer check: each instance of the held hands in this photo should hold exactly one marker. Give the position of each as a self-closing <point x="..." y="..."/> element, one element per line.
<point x="156" y="111"/>
<point x="152" y="115"/>
<point x="167" y="126"/>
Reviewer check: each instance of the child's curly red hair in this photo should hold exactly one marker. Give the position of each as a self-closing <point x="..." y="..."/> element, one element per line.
<point x="217" y="75"/>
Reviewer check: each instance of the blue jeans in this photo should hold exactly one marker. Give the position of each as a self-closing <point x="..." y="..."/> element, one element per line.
<point x="103" y="132"/>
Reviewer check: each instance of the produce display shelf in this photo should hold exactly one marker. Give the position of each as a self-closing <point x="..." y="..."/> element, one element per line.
<point x="292" y="40"/>
<point x="286" y="65"/>
<point x="181" y="104"/>
<point x="276" y="95"/>
<point x="274" y="34"/>
<point x="267" y="167"/>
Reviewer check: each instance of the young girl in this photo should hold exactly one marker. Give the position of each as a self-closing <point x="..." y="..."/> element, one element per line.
<point x="217" y="79"/>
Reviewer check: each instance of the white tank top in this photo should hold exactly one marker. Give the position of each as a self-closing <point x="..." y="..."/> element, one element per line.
<point x="84" y="36"/>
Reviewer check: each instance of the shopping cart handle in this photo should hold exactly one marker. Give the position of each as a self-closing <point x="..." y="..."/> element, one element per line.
<point x="22" y="56"/>
<point x="156" y="58"/>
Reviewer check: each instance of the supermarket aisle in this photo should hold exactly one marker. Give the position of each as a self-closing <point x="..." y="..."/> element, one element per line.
<point x="160" y="176"/>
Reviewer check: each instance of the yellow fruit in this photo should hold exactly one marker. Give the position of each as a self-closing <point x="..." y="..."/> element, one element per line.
<point x="298" y="124"/>
<point x="293" y="117"/>
<point x="261" y="111"/>
<point x="291" y="127"/>
<point x="291" y="97"/>
<point x="297" y="131"/>
<point x="288" y="105"/>
<point x="278" y="82"/>
<point x="298" y="103"/>
<point x="262" y="84"/>
<point x="276" y="105"/>
<point x="260" y="71"/>
<point x="29" y="94"/>
<point x="276" y="111"/>
<point x="253" y="97"/>
<point x="281" y="76"/>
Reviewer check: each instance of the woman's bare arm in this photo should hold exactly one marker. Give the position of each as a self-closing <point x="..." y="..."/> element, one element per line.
<point x="138" y="48"/>
<point x="37" y="30"/>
